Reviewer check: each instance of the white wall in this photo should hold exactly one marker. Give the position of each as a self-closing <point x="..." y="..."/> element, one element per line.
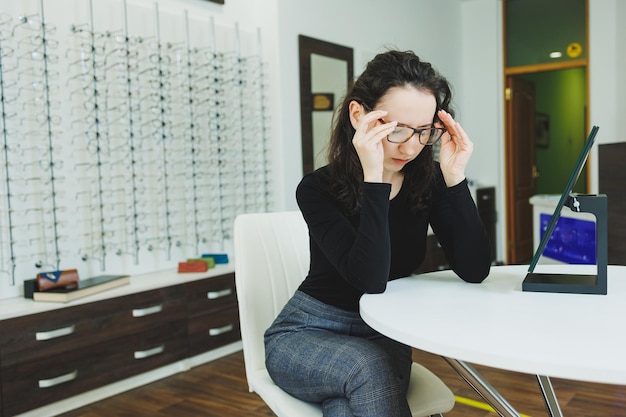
<point x="606" y="74"/>
<point x="620" y="93"/>
<point x="481" y="107"/>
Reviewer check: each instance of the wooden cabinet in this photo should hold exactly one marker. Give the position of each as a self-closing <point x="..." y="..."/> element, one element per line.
<point x="52" y="355"/>
<point x="213" y="315"/>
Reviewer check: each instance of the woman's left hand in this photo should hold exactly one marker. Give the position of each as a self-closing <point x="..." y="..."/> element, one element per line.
<point x="456" y="150"/>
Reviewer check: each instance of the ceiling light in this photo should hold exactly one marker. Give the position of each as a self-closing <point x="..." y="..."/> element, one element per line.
<point x="555" y="54"/>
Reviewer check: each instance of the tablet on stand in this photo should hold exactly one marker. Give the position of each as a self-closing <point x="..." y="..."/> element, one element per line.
<point x="587" y="203"/>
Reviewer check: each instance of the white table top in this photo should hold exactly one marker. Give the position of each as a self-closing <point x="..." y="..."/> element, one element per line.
<point x="571" y="336"/>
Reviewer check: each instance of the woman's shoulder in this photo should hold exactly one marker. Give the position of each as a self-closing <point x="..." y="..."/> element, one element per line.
<point x="316" y="189"/>
<point x="318" y="178"/>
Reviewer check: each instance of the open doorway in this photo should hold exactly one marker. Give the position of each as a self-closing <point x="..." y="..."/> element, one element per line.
<point x="546" y="120"/>
<point x="560" y="127"/>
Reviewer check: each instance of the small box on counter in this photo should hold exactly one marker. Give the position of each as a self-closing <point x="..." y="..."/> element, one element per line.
<point x="193" y="266"/>
<point x="220" y="258"/>
<point x="210" y="262"/>
<point x="30" y="287"/>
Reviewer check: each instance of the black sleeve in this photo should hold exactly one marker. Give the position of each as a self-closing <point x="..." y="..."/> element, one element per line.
<point x="460" y="231"/>
<point x="359" y="250"/>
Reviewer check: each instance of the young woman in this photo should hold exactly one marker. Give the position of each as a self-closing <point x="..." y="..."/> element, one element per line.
<point x="368" y="213"/>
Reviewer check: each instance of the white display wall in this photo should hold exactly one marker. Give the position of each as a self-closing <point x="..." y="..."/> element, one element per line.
<point x="130" y="136"/>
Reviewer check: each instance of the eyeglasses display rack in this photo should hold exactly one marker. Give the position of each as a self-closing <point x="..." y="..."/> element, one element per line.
<point x="126" y="146"/>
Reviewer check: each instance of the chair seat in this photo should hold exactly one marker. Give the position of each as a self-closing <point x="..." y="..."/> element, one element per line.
<point x="281" y="403"/>
<point x="427" y="395"/>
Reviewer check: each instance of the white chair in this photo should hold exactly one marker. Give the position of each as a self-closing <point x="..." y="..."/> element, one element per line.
<point x="271" y="260"/>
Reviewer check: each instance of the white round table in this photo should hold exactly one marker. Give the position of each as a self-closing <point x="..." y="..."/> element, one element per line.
<point x="495" y="323"/>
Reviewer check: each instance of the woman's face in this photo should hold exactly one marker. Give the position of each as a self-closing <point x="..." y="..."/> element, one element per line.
<point x="410" y="107"/>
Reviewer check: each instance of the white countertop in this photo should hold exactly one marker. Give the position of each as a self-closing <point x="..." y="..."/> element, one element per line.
<point x="19" y="306"/>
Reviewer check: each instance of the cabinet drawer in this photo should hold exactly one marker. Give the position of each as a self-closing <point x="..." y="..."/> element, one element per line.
<point x="211" y="294"/>
<point x="210" y="331"/>
<point x="35" y="383"/>
<point x="142" y="311"/>
<point x="48" y="333"/>
<point x="146" y="350"/>
<point x="41" y="335"/>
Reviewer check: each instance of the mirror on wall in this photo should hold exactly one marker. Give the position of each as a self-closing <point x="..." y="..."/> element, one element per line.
<point x="325" y="74"/>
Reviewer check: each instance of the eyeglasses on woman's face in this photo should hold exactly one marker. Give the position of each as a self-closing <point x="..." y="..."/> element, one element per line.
<point x="403" y="133"/>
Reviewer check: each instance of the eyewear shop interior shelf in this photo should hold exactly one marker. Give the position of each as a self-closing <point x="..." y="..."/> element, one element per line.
<point x="122" y="151"/>
<point x="125" y="151"/>
<point x="158" y="325"/>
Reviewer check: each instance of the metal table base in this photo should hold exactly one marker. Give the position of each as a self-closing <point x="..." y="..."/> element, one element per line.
<point x="493" y="397"/>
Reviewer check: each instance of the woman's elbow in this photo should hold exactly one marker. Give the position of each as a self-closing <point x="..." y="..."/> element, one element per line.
<point x="376" y="290"/>
<point x="475" y="273"/>
<point x="375" y="287"/>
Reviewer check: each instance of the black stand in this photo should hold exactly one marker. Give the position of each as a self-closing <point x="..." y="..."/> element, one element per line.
<point x="579" y="284"/>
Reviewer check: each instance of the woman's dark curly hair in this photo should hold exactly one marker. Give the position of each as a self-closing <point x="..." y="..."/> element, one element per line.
<point x="387" y="70"/>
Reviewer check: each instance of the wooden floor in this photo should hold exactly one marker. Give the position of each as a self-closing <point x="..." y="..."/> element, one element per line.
<point x="219" y="389"/>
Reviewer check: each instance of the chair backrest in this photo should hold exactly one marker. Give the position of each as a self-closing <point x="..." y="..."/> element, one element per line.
<point x="271" y="260"/>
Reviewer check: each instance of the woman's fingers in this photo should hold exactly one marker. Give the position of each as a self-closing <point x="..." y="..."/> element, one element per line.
<point x="454" y="129"/>
<point x="368" y="144"/>
<point x="455" y="153"/>
<point x="371" y="129"/>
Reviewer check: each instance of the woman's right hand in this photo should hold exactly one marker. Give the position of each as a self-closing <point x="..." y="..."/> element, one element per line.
<point x="367" y="141"/>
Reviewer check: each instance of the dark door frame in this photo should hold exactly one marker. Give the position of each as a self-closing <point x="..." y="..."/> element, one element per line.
<point x="306" y="47"/>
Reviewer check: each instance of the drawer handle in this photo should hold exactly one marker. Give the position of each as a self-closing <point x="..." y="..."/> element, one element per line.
<point x="141" y="354"/>
<point x="141" y="312"/>
<point x="52" y="334"/>
<point x="212" y="295"/>
<point x="47" y="383"/>
<point x="221" y="330"/>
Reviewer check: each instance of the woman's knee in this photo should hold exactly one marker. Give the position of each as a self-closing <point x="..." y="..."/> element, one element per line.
<point x="373" y="368"/>
<point x="376" y="389"/>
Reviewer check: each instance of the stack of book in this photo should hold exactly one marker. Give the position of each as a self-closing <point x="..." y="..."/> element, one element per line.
<point x="202" y="264"/>
<point x="84" y="288"/>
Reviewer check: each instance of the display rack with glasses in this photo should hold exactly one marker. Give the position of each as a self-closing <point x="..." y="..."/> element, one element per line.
<point x="126" y="149"/>
<point x="33" y="163"/>
<point x="7" y="255"/>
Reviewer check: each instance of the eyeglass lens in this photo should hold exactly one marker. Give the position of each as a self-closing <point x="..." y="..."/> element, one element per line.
<point x="427" y="136"/>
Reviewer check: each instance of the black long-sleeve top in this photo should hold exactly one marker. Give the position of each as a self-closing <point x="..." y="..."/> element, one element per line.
<point x="385" y="240"/>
